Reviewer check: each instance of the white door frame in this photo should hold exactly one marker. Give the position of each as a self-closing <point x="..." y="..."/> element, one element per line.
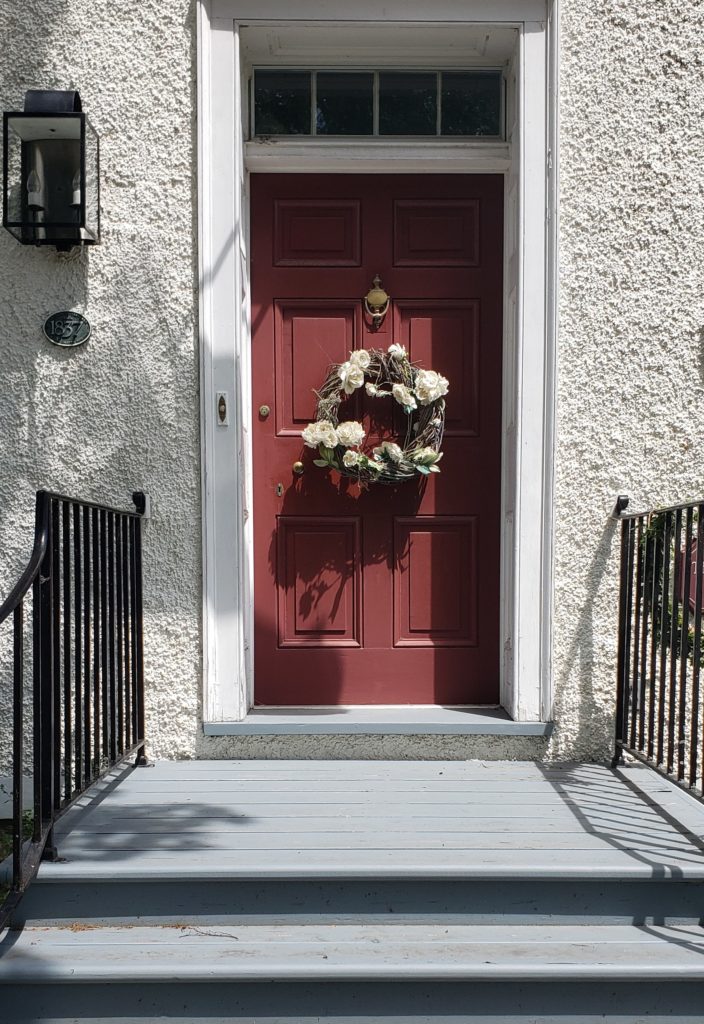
<point x="528" y="163"/>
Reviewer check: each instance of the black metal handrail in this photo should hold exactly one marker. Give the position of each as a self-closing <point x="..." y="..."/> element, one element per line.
<point x="659" y="712"/>
<point x="86" y="690"/>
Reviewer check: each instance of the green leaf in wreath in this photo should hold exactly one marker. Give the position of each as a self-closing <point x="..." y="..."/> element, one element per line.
<point x="425" y="470"/>
<point x="327" y="453"/>
<point x="321" y="462"/>
<point x="434" y="469"/>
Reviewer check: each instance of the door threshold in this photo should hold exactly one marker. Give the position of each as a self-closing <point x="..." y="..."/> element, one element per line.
<point x="412" y="720"/>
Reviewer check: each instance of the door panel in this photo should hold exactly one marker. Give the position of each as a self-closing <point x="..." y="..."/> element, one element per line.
<point x="390" y="595"/>
<point x="308" y="335"/>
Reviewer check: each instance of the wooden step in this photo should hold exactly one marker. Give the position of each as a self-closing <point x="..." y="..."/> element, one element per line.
<point x="389" y="952"/>
<point x="363" y="975"/>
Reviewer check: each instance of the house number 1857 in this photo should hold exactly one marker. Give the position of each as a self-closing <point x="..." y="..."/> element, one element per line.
<point x="67" y="329"/>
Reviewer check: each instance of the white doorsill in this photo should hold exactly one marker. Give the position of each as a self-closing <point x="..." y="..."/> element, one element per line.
<point x="480" y="721"/>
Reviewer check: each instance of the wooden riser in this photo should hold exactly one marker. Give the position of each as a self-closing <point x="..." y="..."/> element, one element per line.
<point x="524" y="900"/>
<point x="565" y="1002"/>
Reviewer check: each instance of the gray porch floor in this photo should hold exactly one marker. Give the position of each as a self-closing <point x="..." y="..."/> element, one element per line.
<point x="277" y="819"/>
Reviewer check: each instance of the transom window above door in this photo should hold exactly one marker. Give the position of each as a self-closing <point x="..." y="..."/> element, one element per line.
<point x="379" y="103"/>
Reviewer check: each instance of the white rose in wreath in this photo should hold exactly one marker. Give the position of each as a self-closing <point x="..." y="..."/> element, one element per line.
<point x="321" y="432"/>
<point x="397" y="351"/>
<point x="360" y="357"/>
<point x="389" y="450"/>
<point x="352" y="377"/>
<point x="403" y="396"/>
<point x="429" y="386"/>
<point x="350" y="433"/>
<point x="350" y="459"/>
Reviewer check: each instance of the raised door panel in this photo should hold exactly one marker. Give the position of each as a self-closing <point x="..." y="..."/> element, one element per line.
<point x="317" y="233"/>
<point x="443" y="335"/>
<point x="309" y="337"/>
<point x="318" y="583"/>
<point x="436" y="233"/>
<point x="435" y="591"/>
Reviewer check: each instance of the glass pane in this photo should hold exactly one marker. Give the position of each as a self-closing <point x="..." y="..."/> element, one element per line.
<point x="471" y="103"/>
<point x="282" y="103"/>
<point x="345" y="104"/>
<point x="407" y="103"/>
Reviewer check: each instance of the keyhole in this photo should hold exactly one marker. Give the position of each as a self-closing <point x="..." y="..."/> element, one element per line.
<point x="279" y="490"/>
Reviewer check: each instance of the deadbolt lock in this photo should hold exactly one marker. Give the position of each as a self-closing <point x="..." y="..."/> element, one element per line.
<point x="264" y="411"/>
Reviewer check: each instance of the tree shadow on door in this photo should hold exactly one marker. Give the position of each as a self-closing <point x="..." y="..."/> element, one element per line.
<point x="324" y="587"/>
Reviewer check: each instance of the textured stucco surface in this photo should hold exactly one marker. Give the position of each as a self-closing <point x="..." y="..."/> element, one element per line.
<point x="631" y="316"/>
<point x="123" y="411"/>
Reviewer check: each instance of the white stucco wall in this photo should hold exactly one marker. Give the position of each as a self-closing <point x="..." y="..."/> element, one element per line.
<point x="630" y="357"/>
<point x="123" y="412"/>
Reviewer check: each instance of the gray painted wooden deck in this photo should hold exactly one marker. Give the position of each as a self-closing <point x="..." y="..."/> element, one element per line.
<point x="369" y="893"/>
<point x="274" y="819"/>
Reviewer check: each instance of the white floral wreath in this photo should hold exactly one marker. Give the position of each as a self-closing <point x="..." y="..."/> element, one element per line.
<point x="383" y="374"/>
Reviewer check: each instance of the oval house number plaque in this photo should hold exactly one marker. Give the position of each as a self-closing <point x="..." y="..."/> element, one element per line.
<point x="67" y="329"/>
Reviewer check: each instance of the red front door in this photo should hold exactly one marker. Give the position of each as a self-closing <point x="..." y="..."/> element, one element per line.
<point x="390" y="595"/>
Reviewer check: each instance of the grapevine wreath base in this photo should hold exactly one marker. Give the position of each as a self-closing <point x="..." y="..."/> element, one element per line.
<point x="383" y="375"/>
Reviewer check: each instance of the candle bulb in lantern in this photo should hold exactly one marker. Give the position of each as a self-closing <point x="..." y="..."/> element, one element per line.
<point x="34" y="192"/>
<point x="76" y="187"/>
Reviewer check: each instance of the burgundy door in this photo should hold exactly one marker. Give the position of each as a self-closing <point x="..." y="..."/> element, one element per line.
<point x="390" y="595"/>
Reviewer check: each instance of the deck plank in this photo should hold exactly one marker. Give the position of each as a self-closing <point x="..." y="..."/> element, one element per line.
<point x="373" y="819"/>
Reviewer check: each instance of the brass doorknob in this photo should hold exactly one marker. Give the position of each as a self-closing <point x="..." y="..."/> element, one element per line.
<point x="298" y="468"/>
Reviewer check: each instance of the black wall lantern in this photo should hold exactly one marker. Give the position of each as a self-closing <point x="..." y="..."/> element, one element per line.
<point x="51" y="188"/>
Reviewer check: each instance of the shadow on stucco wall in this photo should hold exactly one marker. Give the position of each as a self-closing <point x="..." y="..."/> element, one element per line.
<point x="580" y="694"/>
<point x="121" y="412"/>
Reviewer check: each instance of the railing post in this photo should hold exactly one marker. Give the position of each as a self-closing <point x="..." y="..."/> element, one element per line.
<point x="623" y="635"/>
<point x="141" y="502"/>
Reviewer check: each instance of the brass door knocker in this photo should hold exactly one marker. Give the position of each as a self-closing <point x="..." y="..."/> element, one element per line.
<point x="376" y="303"/>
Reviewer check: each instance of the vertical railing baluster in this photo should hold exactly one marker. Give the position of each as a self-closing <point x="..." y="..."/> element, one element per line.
<point x="87" y="649"/>
<point x="17" y="743"/>
<point x="112" y="694"/>
<point x="44" y="722"/>
<point x="105" y="640"/>
<point x="635" y="680"/>
<point x="674" y="633"/>
<point x="78" y="682"/>
<point x="697" y="654"/>
<point x="133" y="638"/>
<point x="95" y="539"/>
<point x="655" y="625"/>
<point x="684" y="648"/>
<point x="57" y="736"/>
<point x="129" y="703"/>
<point x="68" y="701"/>
<point x="119" y="653"/>
<point x="664" y="635"/>
<point x="645" y="627"/>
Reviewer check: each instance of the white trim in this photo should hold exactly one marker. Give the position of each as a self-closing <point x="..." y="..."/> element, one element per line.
<point x="369" y="12"/>
<point x="224" y="161"/>
<point x="376" y="156"/>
